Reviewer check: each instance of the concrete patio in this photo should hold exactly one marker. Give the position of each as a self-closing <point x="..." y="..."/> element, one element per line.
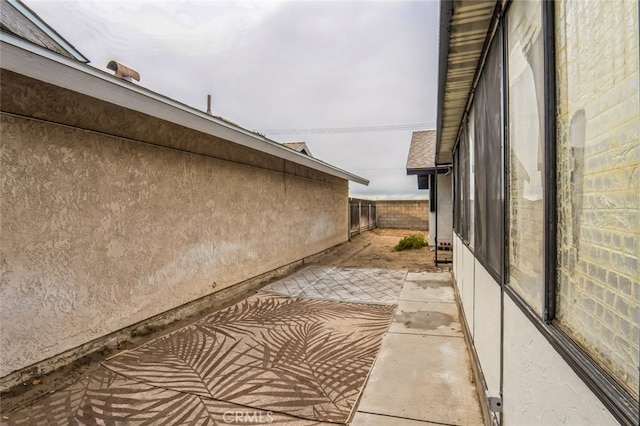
<point x="422" y="375"/>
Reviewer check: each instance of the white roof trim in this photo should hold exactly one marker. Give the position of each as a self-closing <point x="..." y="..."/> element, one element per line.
<point x="41" y="64"/>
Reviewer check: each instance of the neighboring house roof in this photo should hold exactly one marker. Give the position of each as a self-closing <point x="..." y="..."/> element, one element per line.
<point x="299" y="146"/>
<point x="39" y="63"/>
<point x="16" y="18"/>
<point x="464" y="26"/>
<point x="422" y="153"/>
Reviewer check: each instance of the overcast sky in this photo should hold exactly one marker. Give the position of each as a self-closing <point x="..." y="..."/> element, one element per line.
<point x="281" y="65"/>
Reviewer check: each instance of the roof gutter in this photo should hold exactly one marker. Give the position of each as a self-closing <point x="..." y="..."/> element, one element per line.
<point x="42" y="64"/>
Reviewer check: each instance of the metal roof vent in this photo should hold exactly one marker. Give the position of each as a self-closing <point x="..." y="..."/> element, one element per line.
<point x="124" y="72"/>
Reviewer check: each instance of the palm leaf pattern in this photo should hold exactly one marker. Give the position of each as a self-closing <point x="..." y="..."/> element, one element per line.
<point x="111" y="399"/>
<point x="294" y="360"/>
<point x="307" y="358"/>
<point x="310" y="372"/>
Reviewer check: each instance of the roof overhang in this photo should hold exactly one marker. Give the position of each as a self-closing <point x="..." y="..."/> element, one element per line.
<point x="443" y="168"/>
<point x="465" y="28"/>
<point x="41" y="64"/>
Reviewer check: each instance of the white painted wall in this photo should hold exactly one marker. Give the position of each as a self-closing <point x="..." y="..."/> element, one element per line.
<point x="539" y="386"/>
<point x="456" y="259"/>
<point x="445" y="208"/>
<point x="432" y="229"/>
<point x="468" y="262"/>
<point x="487" y="326"/>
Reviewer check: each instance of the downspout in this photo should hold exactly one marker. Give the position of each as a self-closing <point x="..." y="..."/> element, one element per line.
<point x="349" y="219"/>
<point x="435" y="213"/>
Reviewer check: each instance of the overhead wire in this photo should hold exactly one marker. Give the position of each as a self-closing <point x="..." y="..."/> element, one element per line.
<point x="341" y="130"/>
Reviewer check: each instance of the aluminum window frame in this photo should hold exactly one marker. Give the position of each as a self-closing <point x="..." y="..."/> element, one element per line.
<point x="622" y="406"/>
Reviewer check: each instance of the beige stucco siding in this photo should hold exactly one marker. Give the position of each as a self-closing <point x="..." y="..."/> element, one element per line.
<point x="100" y="232"/>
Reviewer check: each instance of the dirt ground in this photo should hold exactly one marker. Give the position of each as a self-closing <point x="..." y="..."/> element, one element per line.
<point x="374" y="249"/>
<point x="371" y="249"/>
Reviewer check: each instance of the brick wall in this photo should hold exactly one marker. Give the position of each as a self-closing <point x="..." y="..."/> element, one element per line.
<point x="598" y="182"/>
<point x="409" y="214"/>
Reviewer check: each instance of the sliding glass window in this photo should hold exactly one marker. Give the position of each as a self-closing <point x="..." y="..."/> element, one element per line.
<point x="471" y="180"/>
<point x="526" y="171"/>
<point x="598" y="159"/>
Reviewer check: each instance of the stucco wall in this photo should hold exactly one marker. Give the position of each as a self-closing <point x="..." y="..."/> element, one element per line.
<point x="539" y="386"/>
<point x="99" y="232"/>
<point x="405" y="214"/>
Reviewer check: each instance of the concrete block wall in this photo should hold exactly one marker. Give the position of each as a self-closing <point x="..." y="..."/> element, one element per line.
<point x="404" y="214"/>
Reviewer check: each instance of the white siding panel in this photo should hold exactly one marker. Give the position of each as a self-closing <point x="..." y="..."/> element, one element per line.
<point x="487" y="330"/>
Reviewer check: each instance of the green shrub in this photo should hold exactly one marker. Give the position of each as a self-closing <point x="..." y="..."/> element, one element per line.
<point x="414" y="241"/>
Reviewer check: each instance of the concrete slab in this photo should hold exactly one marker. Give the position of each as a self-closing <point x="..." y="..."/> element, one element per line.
<point x="428" y="291"/>
<point x="427" y="318"/>
<point x="425" y="378"/>
<point x="429" y="276"/>
<point x="342" y="284"/>
<point x="367" y="419"/>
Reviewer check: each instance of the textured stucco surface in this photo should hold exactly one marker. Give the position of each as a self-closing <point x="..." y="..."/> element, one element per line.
<point x="539" y="387"/>
<point x="100" y="232"/>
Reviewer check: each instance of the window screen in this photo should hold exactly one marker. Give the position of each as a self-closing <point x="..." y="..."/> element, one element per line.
<point x="487" y="147"/>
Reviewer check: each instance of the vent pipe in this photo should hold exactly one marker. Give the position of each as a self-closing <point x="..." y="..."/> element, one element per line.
<point x="209" y="105"/>
<point x="124" y="72"/>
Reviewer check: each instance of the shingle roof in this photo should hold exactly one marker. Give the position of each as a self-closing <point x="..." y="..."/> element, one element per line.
<point x="422" y="152"/>
<point x="293" y="145"/>
<point x="18" y="19"/>
<point x="298" y="146"/>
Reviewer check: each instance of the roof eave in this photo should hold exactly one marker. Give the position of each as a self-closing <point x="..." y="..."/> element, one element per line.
<point x="466" y="29"/>
<point x="441" y="168"/>
<point x="41" y="64"/>
<point x="446" y="9"/>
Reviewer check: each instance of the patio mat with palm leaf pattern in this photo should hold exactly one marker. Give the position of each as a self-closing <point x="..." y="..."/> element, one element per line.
<point x="287" y="360"/>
